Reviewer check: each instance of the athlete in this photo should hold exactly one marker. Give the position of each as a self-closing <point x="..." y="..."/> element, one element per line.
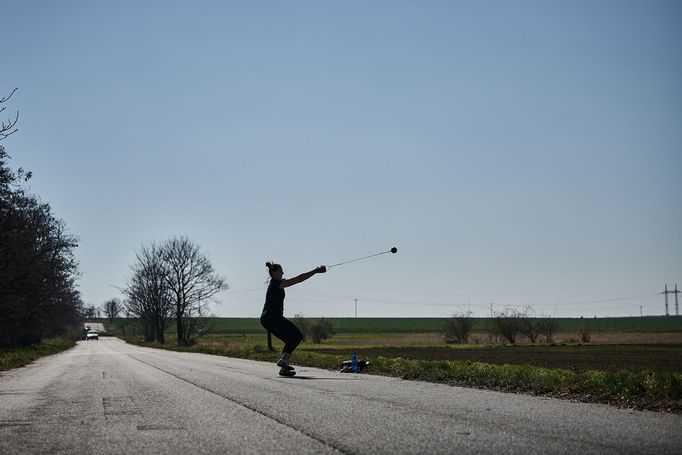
<point x="273" y="318"/>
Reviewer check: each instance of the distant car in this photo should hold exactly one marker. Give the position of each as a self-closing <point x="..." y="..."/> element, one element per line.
<point x="92" y="335"/>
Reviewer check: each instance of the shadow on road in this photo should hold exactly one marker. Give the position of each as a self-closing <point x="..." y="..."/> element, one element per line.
<point x="319" y="379"/>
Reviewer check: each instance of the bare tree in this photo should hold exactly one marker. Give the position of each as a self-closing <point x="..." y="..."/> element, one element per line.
<point x="196" y="323"/>
<point x="148" y="295"/>
<point x="112" y="308"/>
<point x="493" y="332"/>
<point x="192" y="283"/>
<point x="508" y="324"/>
<point x="90" y="312"/>
<point x="123" y="320"/>
<point x="458" y="328"/>
<point x="529" y="325"/>
<point x="548" y="327"/>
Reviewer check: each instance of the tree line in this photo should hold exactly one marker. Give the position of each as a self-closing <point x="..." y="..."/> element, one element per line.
<point x="510" y="325"/>
<point x="39" y="297"/>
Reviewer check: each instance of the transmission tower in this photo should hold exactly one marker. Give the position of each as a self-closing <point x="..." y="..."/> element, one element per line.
<point x="677" y="306"/>
<point x="665" y="293"/>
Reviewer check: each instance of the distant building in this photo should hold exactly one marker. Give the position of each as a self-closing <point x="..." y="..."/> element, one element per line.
<point x="96" y="326"/>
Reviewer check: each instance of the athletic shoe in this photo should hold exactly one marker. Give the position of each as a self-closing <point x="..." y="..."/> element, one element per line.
<point x="284" y="364"/>
<point x="285" y="372"/>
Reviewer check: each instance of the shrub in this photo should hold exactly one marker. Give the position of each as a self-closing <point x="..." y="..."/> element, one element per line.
<point x="585" y="334"/>
<point x="548" y="327"/>
<point x="303" y="325"/>
<point x="528" y="325"/>
<point x="321" y="330"/>
<point x="458" y="328"/>
<point x="493" y="333"/>
<point x="508" y="324"/>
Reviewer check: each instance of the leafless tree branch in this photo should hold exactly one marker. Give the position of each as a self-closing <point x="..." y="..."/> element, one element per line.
<point x="9" y="127"/>
<point x="6" y="98"/>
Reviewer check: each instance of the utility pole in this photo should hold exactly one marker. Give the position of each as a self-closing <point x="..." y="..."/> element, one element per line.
<point x="677" y="307"/>
<point x="491" y="310"/>
<point x="640" y="311"/>
<point x="356" y="308"/>
<point x="270" y="348"/>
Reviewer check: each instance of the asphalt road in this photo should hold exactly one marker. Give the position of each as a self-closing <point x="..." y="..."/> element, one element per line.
<point x="109" y="397"/>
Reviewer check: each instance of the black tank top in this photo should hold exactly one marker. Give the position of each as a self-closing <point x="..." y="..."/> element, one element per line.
<point x="274" y="300"/>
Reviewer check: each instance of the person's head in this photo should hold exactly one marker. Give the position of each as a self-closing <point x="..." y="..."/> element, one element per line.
<point x="275" y="270"/>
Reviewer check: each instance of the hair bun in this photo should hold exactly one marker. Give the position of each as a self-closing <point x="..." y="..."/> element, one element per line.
<point x="268" y="265"/>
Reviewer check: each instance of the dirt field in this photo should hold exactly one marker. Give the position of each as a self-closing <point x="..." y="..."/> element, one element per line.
<point x="607" y="351"/>
<point x="430" y="339"/>
<point x="660" y="358"/>
<point x="624" y="338"/>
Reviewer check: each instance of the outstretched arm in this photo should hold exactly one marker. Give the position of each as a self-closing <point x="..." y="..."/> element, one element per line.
<point x="302" y="277"/>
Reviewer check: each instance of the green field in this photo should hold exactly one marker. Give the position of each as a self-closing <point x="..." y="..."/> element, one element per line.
<point x="430" y="325"/>
<point x="433" y="326"/>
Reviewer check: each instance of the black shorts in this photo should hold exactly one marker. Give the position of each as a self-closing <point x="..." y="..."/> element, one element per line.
<point x="283" y="329"/>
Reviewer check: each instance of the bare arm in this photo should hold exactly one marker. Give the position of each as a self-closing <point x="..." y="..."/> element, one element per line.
<point x="302" y="277"/>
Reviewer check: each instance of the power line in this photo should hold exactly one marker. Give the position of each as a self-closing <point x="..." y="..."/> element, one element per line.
<point x="617" y="299"/>
<point x="241" y="291"/>
<point x="388" y="302"/>
<point x="487" y="305"/>
<point x="440" y="304"/>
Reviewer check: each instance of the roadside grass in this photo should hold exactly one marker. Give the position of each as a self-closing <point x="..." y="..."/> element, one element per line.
<point x="21" y="356"/>
<point x="641" y="390"/>
<point x="645" y="390"/>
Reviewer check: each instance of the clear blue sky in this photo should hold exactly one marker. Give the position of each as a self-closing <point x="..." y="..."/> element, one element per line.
<point x="519" y="153"/>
